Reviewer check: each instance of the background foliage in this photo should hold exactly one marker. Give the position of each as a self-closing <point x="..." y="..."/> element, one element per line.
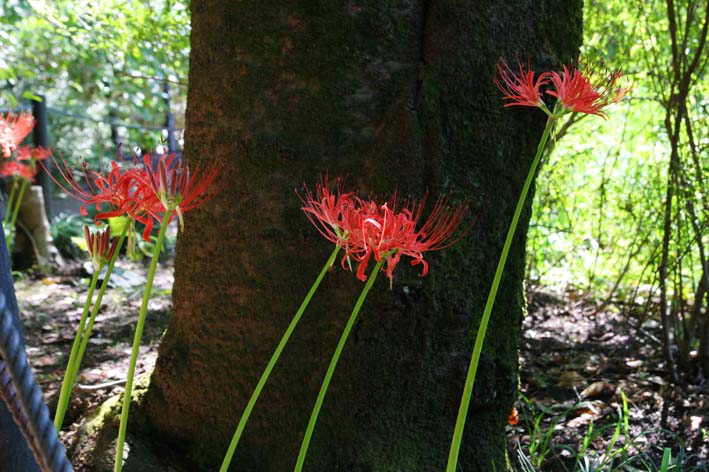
<point x="107" y="60"/>
<point x="621" y="207"/>
<point x="600" y="195"/>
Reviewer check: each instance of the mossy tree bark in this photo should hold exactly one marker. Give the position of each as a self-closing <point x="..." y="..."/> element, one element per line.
<point x="396" y="95"/>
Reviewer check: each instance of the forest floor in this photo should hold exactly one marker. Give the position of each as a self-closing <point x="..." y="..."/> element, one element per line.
<point x="575" y="364"/>
<point x="578" y="362"/>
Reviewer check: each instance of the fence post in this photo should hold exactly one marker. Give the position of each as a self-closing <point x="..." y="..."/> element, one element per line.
<point x="169" y="120"/>
<point x="40" y="137"/>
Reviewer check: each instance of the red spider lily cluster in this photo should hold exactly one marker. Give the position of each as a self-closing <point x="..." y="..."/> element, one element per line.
<point x="13" y="129"/>
<point x="366" y="229"/>
<point x="174" y="187"/>
<point x="576" y="91"/>
<point x="146" y="191"/>
<point x="25" y="163"/>
<point x="26" y="153"/>
<point x="18" y="169"/>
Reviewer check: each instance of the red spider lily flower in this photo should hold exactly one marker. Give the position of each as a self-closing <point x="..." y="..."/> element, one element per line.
<point x="521" y="89"/>
<point x="365" y="229"/>
<point x="330" y="211"/>
<point x="13" y="130"/>
<point x="385" y="233"/>
<point x="26" y="153"/>
<point x="577" y="93"/>
<point x="120" y="188"/>
<point x="18" y="169"/>
<point x="100" y="247"/>
<point x="171" y="187"/>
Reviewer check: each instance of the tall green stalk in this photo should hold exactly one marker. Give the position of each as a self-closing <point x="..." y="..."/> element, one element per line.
<point x="83" y="334"/>
<point x="68" y="382"/>
<point x="333" y="364"/>
<point x="97" y="305"/>
<point x="15" y="211"/>
<point x="118" y="465"/>
<point x="271" y="363"/>
<point x="10" y="204"/>
<point x="482" y="330"/>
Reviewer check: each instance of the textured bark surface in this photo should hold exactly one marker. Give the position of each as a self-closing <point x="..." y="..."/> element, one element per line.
<point x="397" y="95"/>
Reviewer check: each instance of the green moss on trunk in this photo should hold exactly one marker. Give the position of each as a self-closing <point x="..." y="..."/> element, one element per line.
<point x="398" y="95"/>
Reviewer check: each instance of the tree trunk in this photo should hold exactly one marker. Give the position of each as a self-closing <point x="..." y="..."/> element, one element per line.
<point x="395" y="95"/>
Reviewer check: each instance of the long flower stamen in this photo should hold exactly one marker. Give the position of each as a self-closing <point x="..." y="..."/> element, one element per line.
<point x="521" y="88"/>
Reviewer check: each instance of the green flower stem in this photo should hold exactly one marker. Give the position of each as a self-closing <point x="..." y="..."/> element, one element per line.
<point x="477" y="349"/>
<point x="118" y="465"/>
<point x="83" y="334"/>
<point x="68" y="382"/>
<point x="333" y="364"/>
<point x="10" y="203"/>
<point x="274" y="358"/>
<point x="18" y="202"/>
<point x="15" y="212"/>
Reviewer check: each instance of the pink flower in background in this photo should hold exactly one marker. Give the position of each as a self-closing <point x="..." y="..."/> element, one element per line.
<point x="18" y="169"/>
<point x="13" y="129"/>
<point x="26" y="153"/>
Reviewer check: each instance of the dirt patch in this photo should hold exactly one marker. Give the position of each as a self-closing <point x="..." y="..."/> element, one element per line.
<point x="50" y="309"/>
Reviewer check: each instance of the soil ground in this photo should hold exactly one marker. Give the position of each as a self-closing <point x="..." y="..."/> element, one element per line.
<point x="575" y="364"/>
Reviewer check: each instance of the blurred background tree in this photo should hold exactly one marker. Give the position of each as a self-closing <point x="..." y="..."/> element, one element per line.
<point x="111" y="71"/>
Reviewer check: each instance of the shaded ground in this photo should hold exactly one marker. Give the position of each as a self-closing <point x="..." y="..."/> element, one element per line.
<point x="575" y="365"/>
<point x="50" y="309"/>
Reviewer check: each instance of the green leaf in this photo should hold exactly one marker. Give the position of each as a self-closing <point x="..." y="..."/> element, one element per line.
<point x="31" y="96"/>
<point x="666" y="458"/>
<point x="117" y="224"/>
<point x="80" y="242"/>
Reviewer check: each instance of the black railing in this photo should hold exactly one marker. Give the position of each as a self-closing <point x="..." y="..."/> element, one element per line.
<point x="28" y="439"/>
